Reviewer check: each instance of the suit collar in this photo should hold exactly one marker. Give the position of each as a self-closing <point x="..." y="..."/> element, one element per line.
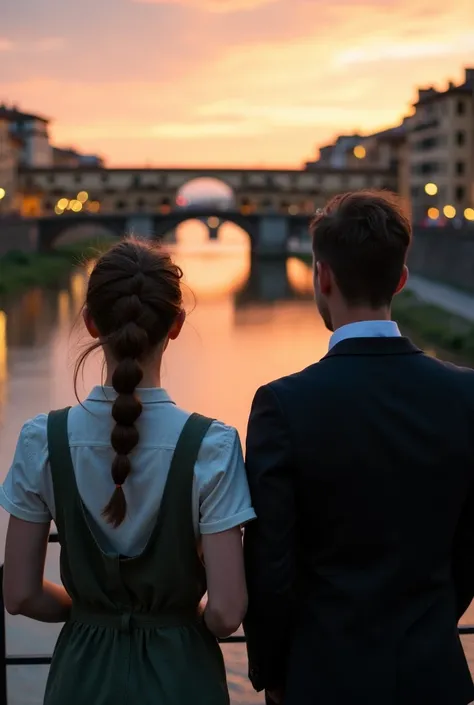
<point x="374" y="346"/>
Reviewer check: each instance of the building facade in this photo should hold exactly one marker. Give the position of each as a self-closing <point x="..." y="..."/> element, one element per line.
<point x="441" y="152"/>
<point x="48" y="191"/>
<point x="31" y="133"/>
<point x="8" y="169"/>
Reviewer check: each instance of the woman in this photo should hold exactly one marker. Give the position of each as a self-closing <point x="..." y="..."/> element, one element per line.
<point x="140" y="492"/>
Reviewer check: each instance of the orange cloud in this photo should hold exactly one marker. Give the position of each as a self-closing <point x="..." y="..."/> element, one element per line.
<point x="217" y="89"/>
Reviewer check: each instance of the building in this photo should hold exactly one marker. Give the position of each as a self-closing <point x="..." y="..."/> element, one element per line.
<point x="141" y="190"/>
<point x="337" y="155"/>
<point x="441" y="152"/>
<point x="8" y="169"/>
<point x="31" y="133"/>
<point x="69" y="157"/>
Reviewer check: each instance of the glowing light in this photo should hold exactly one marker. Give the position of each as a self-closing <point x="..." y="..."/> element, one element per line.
<point x="433" y="213"/>
<point x="359" y="152"/>
<point x="82" y="196"/>
<point x="213" y="222"/>
<point x="449" y="211"/>
<point x="93" y="206"/>
<point x="469" y="213"/>
<point x="431" y="189"/>
<point x="58" y="210"/>
<point x="300" y="276"/>
<point x="293" y="210"/>
<point x="3" y="193"/>
<point x="76" y="206"/>
<point x="62" y="203"/>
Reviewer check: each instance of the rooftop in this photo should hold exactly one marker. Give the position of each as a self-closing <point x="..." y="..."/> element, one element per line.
<point x="12" y="114"/>
<point x="430" y="94"/>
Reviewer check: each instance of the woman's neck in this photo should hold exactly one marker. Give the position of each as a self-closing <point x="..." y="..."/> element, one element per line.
<point x="151" y="376"/>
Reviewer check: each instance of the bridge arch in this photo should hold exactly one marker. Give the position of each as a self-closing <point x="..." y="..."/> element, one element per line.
<point x="51" y="231"/>
<point x="206" y="190"/>
<point x="169" y="223"/>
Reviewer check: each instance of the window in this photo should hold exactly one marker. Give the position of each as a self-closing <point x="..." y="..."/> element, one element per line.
<point x="460" y="138"/>
<point x="415" y="191"/>
<point x="104" y="177"/>
<point x="120" y="205"/>
<point x="460" y="168"/>
<point x="461" y="107"/>
<point x="78" y="178"/>
<point x="51" y="178"/>
<point x="460" y="193"/>
<point x="141" y="203"/>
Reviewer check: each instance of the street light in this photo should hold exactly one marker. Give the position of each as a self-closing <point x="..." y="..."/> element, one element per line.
<point x="3" y="193"/>
<point x="360" y="152"/>
<point x="431" y="189"/>
<point x="433" y="213"/>
<point x="449" y="211"/>
<point x="469" y="213"/>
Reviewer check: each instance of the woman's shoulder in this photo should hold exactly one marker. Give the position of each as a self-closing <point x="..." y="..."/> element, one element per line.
<point x="34" y="432"/>
<point x="221" y="436"/>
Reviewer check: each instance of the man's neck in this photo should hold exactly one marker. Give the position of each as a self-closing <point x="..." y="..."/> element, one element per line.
<point x="360" y="315"/>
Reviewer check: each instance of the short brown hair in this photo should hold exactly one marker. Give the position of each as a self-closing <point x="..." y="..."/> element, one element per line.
<point x="364" y="237"/>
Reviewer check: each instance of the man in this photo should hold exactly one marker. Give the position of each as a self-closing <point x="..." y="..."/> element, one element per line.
<point x="361" y="470"/>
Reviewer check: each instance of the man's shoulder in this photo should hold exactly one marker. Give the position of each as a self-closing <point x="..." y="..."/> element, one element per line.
<point x="464" y="375"/>
<point x="296" y="380"/>
<point x="324" y="374"/>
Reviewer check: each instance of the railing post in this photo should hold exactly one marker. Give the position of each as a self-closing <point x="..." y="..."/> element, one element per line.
<point x="3" y="646"/>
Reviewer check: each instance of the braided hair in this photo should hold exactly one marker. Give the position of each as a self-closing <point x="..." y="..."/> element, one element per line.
<point x="133" y="297"/>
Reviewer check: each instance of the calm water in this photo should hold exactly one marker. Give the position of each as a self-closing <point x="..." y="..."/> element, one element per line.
<point x="252" y="322"/>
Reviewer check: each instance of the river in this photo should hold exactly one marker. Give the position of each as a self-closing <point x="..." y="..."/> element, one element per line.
<point x="249" y="322"/>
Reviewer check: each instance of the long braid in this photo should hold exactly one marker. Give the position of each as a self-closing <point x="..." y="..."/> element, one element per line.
<point x="134" y="296"/>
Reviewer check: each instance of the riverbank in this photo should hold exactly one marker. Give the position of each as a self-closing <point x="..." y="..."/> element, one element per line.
<point x="432" y="324"/>
<point x="22" y="270"/>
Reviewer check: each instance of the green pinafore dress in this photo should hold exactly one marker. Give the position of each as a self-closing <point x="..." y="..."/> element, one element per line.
<point x="135" y="636"/>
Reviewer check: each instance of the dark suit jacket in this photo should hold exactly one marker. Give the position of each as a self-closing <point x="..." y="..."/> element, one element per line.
<point x="361" y="561"/>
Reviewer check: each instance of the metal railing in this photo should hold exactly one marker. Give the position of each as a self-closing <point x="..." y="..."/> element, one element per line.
<point x="45" y="660"/>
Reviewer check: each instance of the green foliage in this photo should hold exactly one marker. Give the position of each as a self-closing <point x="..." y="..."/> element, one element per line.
<point x="435" y="325"/>
<point x="21" y="270"/>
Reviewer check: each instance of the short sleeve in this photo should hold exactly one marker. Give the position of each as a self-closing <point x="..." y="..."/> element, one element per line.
<point x="224" y="496"/>
<point x="23" y="493"/>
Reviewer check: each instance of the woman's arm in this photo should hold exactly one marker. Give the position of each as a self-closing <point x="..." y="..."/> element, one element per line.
<point x="227" y="592"/>
<point x="24" y="589"/>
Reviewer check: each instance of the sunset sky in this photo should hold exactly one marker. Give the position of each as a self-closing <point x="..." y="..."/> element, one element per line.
<point x="225" y="82"/>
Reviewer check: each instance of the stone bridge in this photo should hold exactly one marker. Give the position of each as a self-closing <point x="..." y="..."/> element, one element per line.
<point x="268" y="233"/>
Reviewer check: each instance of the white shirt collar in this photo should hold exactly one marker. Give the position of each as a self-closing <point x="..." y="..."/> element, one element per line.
<point x="149" y="395"/>
<point x="365" y="329"/>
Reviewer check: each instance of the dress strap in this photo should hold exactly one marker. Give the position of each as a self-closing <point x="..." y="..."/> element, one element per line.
<point x="176" y="505"/>
<point x="62" y="470"/>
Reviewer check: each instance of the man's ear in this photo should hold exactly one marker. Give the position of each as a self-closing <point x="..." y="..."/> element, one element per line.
<point x="403" y="279"/>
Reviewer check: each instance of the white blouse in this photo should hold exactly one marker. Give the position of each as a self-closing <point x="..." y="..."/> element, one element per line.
<point x="221" y="498"/>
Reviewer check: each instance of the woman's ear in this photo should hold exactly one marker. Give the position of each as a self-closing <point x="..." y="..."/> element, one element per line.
<point x="175" y="329"/>
<point x="90" y="325"/>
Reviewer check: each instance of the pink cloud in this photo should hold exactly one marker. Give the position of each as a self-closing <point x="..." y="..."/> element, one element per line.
<point x="218" y="6"/>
